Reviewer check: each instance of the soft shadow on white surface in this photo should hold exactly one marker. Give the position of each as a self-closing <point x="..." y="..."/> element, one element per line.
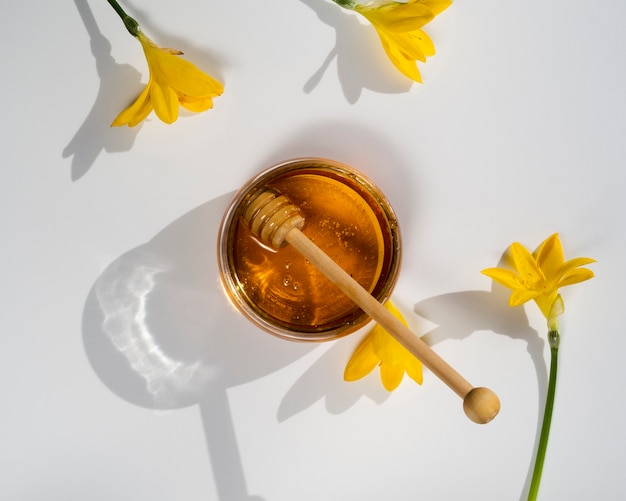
<point x="364" y="149"/>
<point x="159" y="332"/>
<point x="324" y="381"/>
<point x="357" y="68"/>
<point x="95" y="134"/>
<point x="459" y="314"/>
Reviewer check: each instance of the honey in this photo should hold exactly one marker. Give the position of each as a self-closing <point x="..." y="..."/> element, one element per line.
<point x="346" y="216"/>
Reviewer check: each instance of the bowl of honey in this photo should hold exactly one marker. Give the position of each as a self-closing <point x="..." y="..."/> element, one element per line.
<point x="346" y="215"/>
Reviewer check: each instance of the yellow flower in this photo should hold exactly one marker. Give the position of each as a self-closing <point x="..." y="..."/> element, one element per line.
<point x="399" y="28"/>
<point x="539" y="275"/>
<point x="379" y="348"/>
<point x="173" y="81"/>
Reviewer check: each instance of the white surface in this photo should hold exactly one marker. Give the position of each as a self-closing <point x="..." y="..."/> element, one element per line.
<point x="126" y="376"/>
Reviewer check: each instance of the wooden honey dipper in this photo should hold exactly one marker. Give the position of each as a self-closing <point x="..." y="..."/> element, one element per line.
<point x="275" y="221"/>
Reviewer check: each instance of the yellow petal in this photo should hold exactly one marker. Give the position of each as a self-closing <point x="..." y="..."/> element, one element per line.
<point x="137" y="111"/>
<point x="576" y="262"/>
<point x="437" y="6"/>
<point x="196" y="104"/>
<point x="165" y="102"/>
<point x="387" y="349"/>
<point x="520" y="296"/>
<point x="421" y="40"/>
<point x="575" y="276"/>
<point x="187" y="79"/>
<point x="412" y="46"/>
<point x="391" y="375"/>
<point x="380" y="348"/>
<point x="407" y="66"/>
<point x="180" y="74"/>
<point x="504" y="277"/>
<point x="395" y="358"/>
<point x="546" y="301"/>
<point x="398" y="17"/>
<point x="526" y="266"/>
<point x="399" y="27"/>
<point x="141" y="114"/>
<point x="413" y="368"/>
<point x="362" y="362"/>
<point x="549" y="256"/>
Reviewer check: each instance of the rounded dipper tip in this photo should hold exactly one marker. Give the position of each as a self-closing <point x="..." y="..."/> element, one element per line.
<point x="481" y="405"/>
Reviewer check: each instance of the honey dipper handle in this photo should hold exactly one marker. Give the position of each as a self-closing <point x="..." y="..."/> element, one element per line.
<point x="480" y="404"/>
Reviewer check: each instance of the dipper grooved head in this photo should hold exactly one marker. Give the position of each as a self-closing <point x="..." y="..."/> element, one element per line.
<point x="271" y="217"/>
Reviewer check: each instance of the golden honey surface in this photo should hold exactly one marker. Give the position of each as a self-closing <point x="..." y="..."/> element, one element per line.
<point x="345" y="221"/>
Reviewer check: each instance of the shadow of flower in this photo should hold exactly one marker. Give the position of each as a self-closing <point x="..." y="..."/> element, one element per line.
<point x="361" y="61"/>
<point x="96" y="134"/>
<point x="459" y="314"/>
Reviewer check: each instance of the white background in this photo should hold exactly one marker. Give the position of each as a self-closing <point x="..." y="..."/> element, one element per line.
<point x="125" y="375"/>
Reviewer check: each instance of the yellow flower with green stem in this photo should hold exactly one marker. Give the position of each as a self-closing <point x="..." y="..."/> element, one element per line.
<point x="379" y="348"/>
<point x="399" y="26"/>
<point x="173" y="82"/>
<point x="539" y="276"/>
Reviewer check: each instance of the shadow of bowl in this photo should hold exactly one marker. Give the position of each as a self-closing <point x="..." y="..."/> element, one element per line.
<point x="158" y="329"/>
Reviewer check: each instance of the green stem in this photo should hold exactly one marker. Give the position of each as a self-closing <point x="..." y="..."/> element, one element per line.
<point x="131" y="25"/>
<point x="554" y="340"/>
<point x="346" y="4"/>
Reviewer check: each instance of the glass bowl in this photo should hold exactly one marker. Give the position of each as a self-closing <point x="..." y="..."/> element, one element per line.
<point x="346" y="215"/>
